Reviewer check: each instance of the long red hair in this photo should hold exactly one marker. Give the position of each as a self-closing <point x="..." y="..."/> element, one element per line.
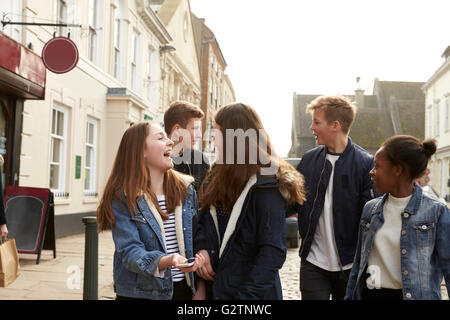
<point x="131" y="178"/>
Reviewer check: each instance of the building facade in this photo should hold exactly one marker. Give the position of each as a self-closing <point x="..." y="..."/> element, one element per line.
<point x="135" y="58"/>
<point x="70" y="137"/>
<point x="217" y="89"/>
<point x="180" y="75"/>
<point x="437" y="125"/>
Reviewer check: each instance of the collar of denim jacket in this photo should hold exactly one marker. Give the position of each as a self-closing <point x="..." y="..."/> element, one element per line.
<point x="414" y="203"/>
<point x="412" y="206"/>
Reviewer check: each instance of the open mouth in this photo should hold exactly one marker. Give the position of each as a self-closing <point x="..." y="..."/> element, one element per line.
<point x="167" y="153"/>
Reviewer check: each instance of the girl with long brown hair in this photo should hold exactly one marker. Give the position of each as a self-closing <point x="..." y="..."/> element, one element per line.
<point x="152" y="211"/>
<point x="244" y="202"/>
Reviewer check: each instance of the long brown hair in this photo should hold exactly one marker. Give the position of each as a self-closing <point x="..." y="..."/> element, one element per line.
<point x="226" y="180"/>
<point x="131" y="177"/>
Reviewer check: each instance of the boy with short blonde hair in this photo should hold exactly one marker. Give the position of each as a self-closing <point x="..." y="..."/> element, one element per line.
<point x="337" y="177"/>
<point x="338" y="108"/>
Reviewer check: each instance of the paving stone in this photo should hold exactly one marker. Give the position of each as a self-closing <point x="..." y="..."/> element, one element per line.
<point x="48" y="279"/>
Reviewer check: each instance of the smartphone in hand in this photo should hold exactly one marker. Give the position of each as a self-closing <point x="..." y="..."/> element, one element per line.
<point x="187" y="263"/>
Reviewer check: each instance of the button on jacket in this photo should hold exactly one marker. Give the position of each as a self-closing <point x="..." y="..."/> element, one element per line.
<point x="424" y="247"/>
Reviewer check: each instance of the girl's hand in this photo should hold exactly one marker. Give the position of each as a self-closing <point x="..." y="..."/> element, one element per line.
<point x="4" y="230"/>
<point x="205" y="271"/>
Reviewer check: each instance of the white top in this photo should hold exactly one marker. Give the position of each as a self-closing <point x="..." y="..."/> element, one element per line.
<point x="384" y="259"/>
<point x="323" y="252"/>
<point x="171" y="237"/>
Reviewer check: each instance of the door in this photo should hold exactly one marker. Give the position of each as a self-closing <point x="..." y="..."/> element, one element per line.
<point x="6" y="141"/>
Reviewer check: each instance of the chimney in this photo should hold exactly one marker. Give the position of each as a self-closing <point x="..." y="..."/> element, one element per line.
<point x="359" y="94"/>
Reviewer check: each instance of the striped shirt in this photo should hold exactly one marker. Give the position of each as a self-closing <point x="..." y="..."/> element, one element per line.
<point x="171" y="237"/>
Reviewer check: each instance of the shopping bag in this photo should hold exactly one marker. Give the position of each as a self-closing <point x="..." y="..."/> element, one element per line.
<point x="9" y="262"/>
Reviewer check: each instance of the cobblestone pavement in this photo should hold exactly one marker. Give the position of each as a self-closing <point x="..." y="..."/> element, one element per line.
<point x="290" y="277"/>
<point x="62" y="278"/>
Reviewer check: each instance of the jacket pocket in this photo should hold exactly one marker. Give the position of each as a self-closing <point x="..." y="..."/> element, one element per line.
<point x="424" y="233"/>
<point x="147" y="283"/>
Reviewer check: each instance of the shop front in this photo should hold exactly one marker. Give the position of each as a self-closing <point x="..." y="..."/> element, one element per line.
<point x="22" y="77"/>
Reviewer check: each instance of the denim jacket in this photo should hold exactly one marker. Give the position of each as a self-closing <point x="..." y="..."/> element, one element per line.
<point x="140" y="244"/>
<point x="424" y="247"/>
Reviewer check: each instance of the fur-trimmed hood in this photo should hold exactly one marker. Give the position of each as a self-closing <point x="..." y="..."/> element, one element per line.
<point x="291" y="183"/>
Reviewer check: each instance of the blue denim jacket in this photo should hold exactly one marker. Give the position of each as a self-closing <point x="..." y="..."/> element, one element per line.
<point x="140" y="245"/>
<point x="426" y="238"/>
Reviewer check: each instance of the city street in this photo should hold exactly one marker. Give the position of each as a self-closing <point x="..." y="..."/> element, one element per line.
<point x="62" y="278"/>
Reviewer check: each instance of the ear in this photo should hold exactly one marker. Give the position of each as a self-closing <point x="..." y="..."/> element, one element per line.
<point x="174" y="128"/>
<point x="337" y="125"/>
<point x="398" y="170"/>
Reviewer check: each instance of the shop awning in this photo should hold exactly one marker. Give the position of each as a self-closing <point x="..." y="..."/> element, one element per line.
<point x="22" y="72"/>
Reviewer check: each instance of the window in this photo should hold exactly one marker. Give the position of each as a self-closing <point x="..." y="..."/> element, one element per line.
<point x="429" y="121"/>
<point x="444" y="168"/>
<point x="150" y="62"/>
<point x="13" y="10"/>
<point x="436" y="132"/>
<point x="447" y="113"/>
<point x="216" y="96"/>
<point x="134" y="59"/>
<point x="58" y="150"/>
<point x="61" y="14"/>
<point x="92" y="29"/>
<point x="211" y="84"/>
<point x="90" y="162"/>
<point x="116" y="43"/>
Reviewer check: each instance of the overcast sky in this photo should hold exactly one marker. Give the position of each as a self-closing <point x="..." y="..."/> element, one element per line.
<point x="278" y="47"/>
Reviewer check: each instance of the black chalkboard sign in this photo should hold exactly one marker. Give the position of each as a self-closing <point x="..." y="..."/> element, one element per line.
<point x="31" y="219"/>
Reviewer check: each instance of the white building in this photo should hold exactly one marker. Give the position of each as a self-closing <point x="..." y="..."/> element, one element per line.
<point x="181" y="76"/>
<point x="69" y="140"/>
<point x="437" y="125"/>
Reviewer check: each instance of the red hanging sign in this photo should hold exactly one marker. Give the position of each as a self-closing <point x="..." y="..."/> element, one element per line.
<point x="60" y="55"/>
